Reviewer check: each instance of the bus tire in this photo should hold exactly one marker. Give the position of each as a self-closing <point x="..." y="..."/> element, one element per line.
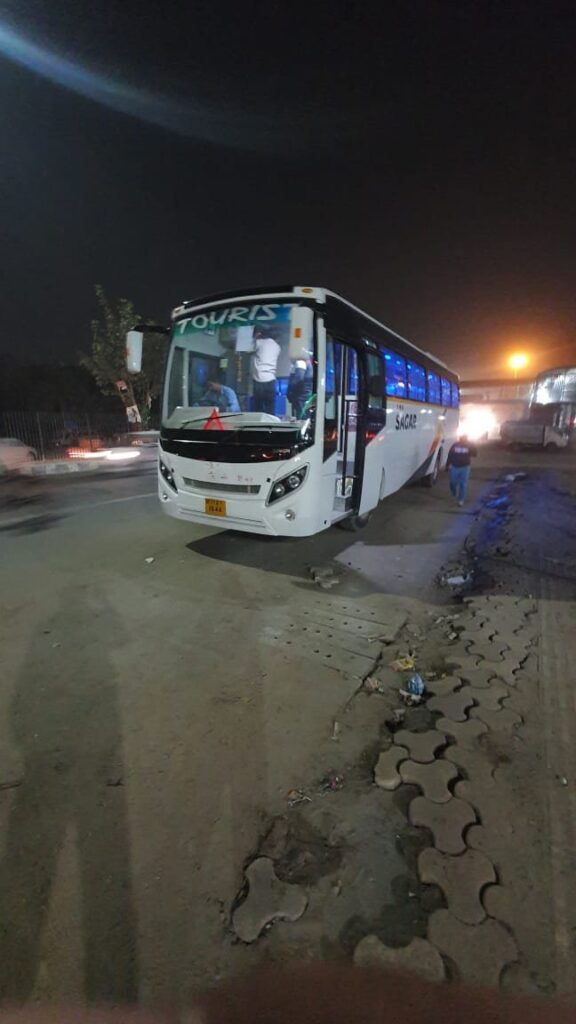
<point x="354" y="523"/>
<point x="431" y="478"/>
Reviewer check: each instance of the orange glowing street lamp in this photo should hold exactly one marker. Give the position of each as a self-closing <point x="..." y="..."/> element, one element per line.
<point x="518" y="361"/>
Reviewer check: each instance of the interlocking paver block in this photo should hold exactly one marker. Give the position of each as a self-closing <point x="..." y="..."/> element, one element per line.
<point x="480" y="952"/>
<point x="489" y="697"/>
<point x="420" y="957"/>
<point x="466" y="734"/>
<point x="442" y="687"/>
<point x="453" y="705"/>
<point x="461" y="880"/>
<point x="268" y="899"/>
<point x="476" y="627"/>
<point x="433" y="778"/>
<point x="490" y="842"/>
<point x="446" y="821"/>
<point x="517" y="646"/>
<point x="422" y="745"/>
<point x="474" y="762"/>
<point x="497" y="721"/>
<point x="490" y="650"/>
<point x="499" y="902"/>
<point x="386" y="770"/>
<point x="480" y="677"/>
<point x="463" y="663"/>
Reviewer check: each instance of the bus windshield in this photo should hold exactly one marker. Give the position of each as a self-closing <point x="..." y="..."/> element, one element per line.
<point x="242" y="368"/>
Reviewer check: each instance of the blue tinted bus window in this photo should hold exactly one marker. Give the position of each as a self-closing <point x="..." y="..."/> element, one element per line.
<point x="455" y="396"/>
<point x="395" y="374"/>
<point x="416" y="382"/>
<point x="446" y="396"/>
<point x="434" y="393"/>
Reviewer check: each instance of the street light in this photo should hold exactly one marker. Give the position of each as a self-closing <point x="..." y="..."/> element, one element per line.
<point x="517" y="362"/>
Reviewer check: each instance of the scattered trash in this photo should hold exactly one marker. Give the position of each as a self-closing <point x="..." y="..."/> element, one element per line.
<point x="459" y="580"/>
<point x="563" y="780"/>
<point x="324" y="576"/>
<point x="374" y="685"/>
<point x="337" y="887"/>
<point x="452" y="636"/>
<point x="405" y="663"/>
<point x="416" y="685"/>
<point x="114" y="781"/>
<point x="336" y="731"/>
<point x="297" y="796"/>
<point x="57" y="644"/>
<point x="410" y="699"/>
<point x="332" y="782"/>
<point x="149" y="560"/>
<point x="441" y="618"/>
<point x="511" y="478"/>
<point x="499" y="502"/>
<point x="414" y="691"/>
<point x="398" y="716"/>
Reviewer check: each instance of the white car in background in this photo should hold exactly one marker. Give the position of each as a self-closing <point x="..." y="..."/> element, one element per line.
<point x="15" y="455"/>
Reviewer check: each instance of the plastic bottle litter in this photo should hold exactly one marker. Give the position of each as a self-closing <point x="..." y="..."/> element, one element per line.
<point x="416" y="685"/>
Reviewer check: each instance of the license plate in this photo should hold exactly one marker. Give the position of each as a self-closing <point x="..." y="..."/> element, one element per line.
<point x="214" y="507"/>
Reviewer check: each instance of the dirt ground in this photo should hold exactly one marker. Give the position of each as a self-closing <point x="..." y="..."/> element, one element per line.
<point x="164" y="724"/>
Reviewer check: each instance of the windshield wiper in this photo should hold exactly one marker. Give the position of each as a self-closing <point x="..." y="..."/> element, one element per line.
<point x="198" y="419"/>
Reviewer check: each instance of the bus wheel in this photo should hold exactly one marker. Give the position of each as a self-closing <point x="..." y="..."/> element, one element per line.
<point x="430" y="479"/>
<point x="354" y="523"/>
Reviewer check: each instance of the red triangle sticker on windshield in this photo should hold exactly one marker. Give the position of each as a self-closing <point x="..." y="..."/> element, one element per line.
<point x="213" y="422"/>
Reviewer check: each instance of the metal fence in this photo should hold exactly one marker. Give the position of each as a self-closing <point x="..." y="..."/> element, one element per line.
<point x="52" y="434"/>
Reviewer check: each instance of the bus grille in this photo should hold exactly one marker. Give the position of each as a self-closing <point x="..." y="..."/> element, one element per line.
<point x="210" y="485"/>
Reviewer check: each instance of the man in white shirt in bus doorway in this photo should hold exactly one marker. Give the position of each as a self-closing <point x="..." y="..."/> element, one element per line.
<point x="264" y="363"/>
<point x="458" y="465"/>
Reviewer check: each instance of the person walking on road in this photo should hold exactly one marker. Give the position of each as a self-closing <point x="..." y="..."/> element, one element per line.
<point x="458" y="466"/>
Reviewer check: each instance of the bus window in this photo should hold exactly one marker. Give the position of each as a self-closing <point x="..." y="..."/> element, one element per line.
<point x="395" y="374"/>
<point x="175" y="390"/>
<point x="446" y="396"/>
<point x="330" y="408"/>
<point x="375" y="381"/>
<point x="416" y="382"/>
<point x="434" y="392"/>
<point x="376" y="416"/>
<point x="455" y="396"/>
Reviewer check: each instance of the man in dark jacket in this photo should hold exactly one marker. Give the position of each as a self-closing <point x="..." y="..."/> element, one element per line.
<point x="458" y="465"/>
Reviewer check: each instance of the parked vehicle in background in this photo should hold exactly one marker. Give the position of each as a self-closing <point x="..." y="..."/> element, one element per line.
<point x="15" y="455"/>
<point x="551" y="413"/>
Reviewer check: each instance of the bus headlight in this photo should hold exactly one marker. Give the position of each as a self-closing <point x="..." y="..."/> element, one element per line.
<point x="168" y="475"/>
<point x="287" y="484"/>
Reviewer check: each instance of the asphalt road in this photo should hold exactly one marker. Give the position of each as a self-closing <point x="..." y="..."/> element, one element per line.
<point x="153" y="714"/>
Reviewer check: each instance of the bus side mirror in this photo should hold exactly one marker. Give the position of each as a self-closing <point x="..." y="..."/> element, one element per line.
<point x="134" y="340"/>
<point x="376" y="386"/>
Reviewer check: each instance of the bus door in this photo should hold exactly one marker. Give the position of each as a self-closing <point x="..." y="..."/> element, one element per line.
<point x="344" y="438"/>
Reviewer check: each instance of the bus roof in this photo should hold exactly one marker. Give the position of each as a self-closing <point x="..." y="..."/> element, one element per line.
<point x="302" y="291"/>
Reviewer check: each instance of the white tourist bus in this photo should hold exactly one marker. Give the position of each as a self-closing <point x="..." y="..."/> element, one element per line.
<point x="354" y="413"/>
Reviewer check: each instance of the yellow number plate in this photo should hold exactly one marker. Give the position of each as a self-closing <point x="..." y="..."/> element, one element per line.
<point x="214" y="507"/>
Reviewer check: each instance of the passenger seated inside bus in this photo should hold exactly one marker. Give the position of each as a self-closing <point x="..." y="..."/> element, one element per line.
<point x="220" y="396"/>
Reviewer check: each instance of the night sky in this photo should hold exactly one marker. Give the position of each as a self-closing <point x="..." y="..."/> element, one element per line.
<point x="419" y="158"/>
